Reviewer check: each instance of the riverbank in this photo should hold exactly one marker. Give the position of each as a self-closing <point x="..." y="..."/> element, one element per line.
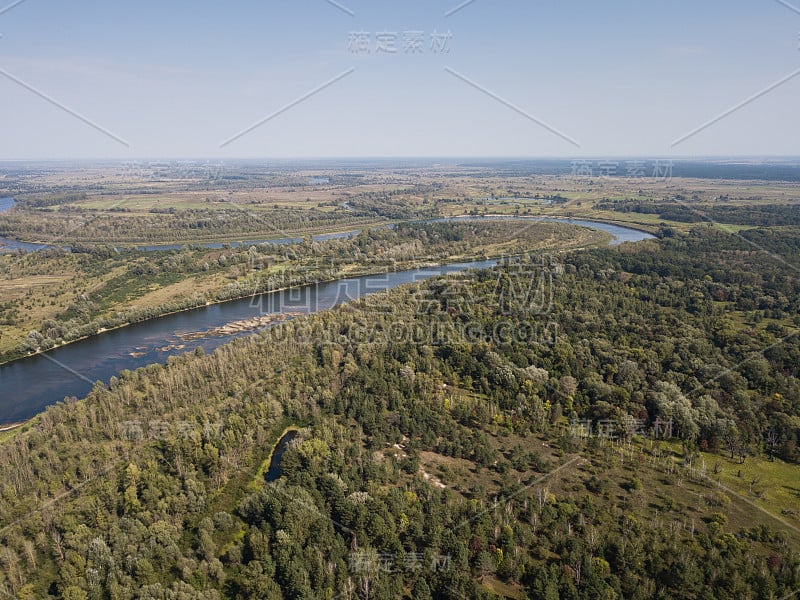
<point x="327" y="233"/>
<point x="9" y="430"/>
<point x="156" y="312"/>
<point x="634" y="225"/>
<point x="33" y="384"/>
<point x="159" y="315"/>
<point x="650" y="230"/>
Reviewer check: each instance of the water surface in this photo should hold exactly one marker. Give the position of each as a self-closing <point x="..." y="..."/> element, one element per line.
<point x="274" y="471"/>
<point x="30" y="384"/>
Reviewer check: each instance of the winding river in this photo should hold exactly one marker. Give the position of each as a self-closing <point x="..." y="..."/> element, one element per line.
<point x="29" y="385"/>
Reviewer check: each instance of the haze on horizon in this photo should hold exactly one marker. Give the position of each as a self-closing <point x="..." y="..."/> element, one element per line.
<point x="320" y="79"/>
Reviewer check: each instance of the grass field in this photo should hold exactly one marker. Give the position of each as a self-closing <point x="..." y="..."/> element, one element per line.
<point x="771" y="485"/>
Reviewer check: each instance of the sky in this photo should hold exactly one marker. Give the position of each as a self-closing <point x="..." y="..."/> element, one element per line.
<point x="493" y="78"/>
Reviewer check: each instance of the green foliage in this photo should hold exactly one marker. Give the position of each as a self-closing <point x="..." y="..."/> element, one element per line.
<point x="763" y="215"/>
<point x="88" y="512"/>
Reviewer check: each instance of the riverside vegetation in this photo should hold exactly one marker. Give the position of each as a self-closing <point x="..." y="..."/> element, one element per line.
<point x="54" y="297"/>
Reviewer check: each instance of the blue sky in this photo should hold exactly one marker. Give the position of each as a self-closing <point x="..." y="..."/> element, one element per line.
<point x="178" y="78"/>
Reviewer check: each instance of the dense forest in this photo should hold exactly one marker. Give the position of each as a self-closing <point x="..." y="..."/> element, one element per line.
<point x="443" y="458"/>
<point x="412" y="203"/>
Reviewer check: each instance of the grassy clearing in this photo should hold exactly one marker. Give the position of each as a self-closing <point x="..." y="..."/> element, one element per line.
<point x="772" y="485"/>
<point x="17" y="288"/>
<point x="727" y="228"/>
<point x="502" y="589"/>
<point x="760" y="491"/>
<point x="657" y="489"/>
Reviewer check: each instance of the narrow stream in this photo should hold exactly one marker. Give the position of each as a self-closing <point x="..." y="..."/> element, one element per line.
<point x="274" y="471"/>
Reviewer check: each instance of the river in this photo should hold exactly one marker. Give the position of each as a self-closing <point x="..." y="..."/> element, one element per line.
<point x="29" y="385"/>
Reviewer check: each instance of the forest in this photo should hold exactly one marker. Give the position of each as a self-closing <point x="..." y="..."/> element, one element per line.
<point x="466" y="456"/>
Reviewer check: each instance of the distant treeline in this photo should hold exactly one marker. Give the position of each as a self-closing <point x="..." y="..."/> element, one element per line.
<point x="170" y="226"/>
<point x="53" y="200"/>
<point x="693" y="170"/>
<point x="755" y="215"/>
<point x="410" y="203"/>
